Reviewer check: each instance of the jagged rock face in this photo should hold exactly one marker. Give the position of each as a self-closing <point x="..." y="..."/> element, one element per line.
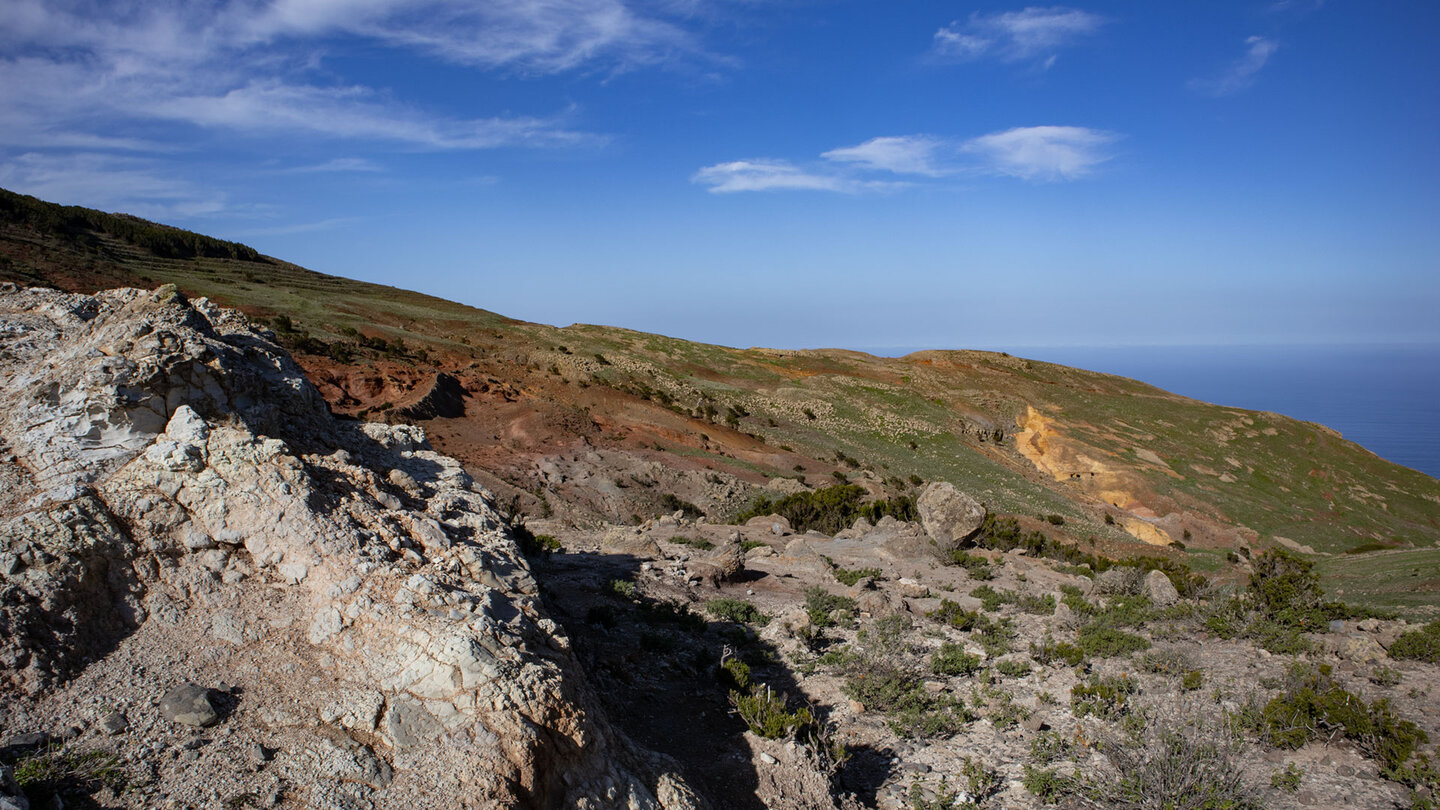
<point x="171" y="479"/>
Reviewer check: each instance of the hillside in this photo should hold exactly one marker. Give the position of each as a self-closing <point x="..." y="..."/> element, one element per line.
<point x="592" y="423"/>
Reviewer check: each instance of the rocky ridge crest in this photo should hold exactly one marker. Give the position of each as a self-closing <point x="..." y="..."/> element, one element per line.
<point x="178" y="504"/>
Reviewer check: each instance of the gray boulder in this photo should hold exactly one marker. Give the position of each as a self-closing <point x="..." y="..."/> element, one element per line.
<point x="189" y="705"/>
<point x="1160" y="589"/>
<point x="949" y="516"/>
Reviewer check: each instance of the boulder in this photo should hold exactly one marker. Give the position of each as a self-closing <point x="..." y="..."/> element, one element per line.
<point x="1160" y="589"/>
<point x="950" y="517"/>
<point x="189" y="705"/>
<point x="1118" y="581"/>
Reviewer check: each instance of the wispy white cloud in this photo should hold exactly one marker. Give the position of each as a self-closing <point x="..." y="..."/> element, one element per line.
<point x="907" y="154"/>
<point x="300" y="227"/>
<point x="1046" y="153"/>
<point x="1038" y="154"/>
<point x="1241" y="73"/>
<point x="1030" y="34"/>
<point x="764" y="175"/>
<point x="334" y="165"/>
<point x="110" y="182"/>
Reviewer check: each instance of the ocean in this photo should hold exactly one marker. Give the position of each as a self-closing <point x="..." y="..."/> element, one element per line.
<point x="1384" y="398"/>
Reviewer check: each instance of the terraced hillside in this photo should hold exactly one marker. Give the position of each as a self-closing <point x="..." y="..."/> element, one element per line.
<point x="601" y="422"/>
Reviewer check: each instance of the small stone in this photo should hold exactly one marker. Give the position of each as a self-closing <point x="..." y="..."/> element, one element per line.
<point x="189" y="704"/>
<point x="767" y="759"/>
<point x="115" y="723"/>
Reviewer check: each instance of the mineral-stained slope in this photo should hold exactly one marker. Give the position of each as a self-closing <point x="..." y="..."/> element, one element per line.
<point x="178" y="505"/>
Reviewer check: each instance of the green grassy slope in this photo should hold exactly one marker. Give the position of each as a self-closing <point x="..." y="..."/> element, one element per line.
<point x="939" y="415"/>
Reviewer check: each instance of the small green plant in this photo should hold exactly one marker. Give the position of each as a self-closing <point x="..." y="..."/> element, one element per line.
<point x="1013" y="667"/>
<point x="736" y="610"/>
<point x="1055" y="520"/>
<point x="850" y="576"/>
<point x="1105" y="642"/>
<point x="886" y="635"/>
<point x="68" y="771"/>
<point x="1419" y="645"/>
<point x="622" y="588"/>
<point x="980" y="782"/>
<point x="951" y="659"/>
<point x="692" y="542"/>
<point x="1104" y="697"/>
<point x="735" y="673"/>
<point x="1287" y="778"/>
<point x="1049" y="651"/>
<point x="1051" y="746"/>
<point x="976" y="566"/>
<point x="1047" y="784"/>
<point x="746" y="545"/>
<point x="821" y="605"/>
<point x="766" y="716"/>
<point x="1312" y="702"/>
<point x="1386" y="676"/>
<point x="538" y="545"/>
<point x="1192" y="680"/>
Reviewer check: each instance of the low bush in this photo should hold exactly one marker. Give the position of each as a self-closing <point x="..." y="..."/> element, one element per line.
<point x="1105" y="697"/>
<point x="850" y="576"/>
<point x="1049" y="651"/>
<point x="1177" y="762"/>
<point x="1419" y="645"/>
<point x="820" y="604"/>
<point x="1105" y="642"/>
<point x="736" y="610"/>
<point x="976" y="566"/>
<point x="1312" y="704"/>
<point x="766" y="716"/>
<point x="830" y="509"/>
<point x="951" y="659"/>
<point x="692" y="542"/>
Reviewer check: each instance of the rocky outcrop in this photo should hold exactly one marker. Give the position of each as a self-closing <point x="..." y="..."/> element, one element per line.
<point x="177" y="496"/>
<point x="949" y="516"/>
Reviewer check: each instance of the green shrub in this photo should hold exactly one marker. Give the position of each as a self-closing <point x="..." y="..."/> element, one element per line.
<point x="951" y="659"/>
<point x="992" y="600"/>
<point x="820" y="604"/>
<point x="735" y="673"/>
<point x="1104" y="697"/>
<point x="952" y="614"/>
<point x="692" y="542"/>
<point x="1050" y="651"/>
<point x="67" y="770"/>
<point x="830" y="509"/>
<point x="1013" y="667"/>
<point x="1173" y="762"/>
<point x="736" y="610"/>
<point x="850" y="576"/>
<point x="766" y="716"/>
<point x="1287" y="779"/>
<point x="1419" y="645"/>
<point x="1047" y="784"/>
<point x="1313" y="703"/>
<point x="1105" y="642"/>
<point x="1051" y="746"/>
<point x="537" y="545"/>
<point x="1285" y="588"/>
<point x="622" y="588"/>
<point x="976" y="566"/>
<point x="886" y="634"/>
<point x="671" y="503"/>
<point x="1192" y="680"/>
<point x="1055" y="520"/>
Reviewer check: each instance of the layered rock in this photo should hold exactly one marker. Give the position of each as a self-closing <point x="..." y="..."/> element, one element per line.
<point x="176" y="494"/>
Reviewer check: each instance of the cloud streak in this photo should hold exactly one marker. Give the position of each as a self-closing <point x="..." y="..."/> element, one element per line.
<point x="1031" y="34"/>
<point x="1241" y="73"/>
<point x="1043" y="154"/>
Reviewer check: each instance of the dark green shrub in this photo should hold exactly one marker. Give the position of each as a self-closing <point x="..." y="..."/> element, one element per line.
<point x="952" y="614"/>
<point x="1013" y="667"/>
<point x="692" y="542"/>
<point x="1284" y="588"/>
<point x="850" y="576"/>
<point x="1050" y="651"/>
<point x="1047" y="784"/>
<point x="1055" y="520"/>
<point x="951" y="659"/>
<point x="735" y="673"/>
<point x="1192" y="680"/>
<point x="978" y="567"/>
<point x="1312" y="704"/>
<point x="1106" y="642"/>
<point x="736" y="610"/>
<point x="831" y="509"/>
<point x="1419" y="645"/>
<point x="766" y="715"/>
<point x="820" y="604"/>
<point x="1107" y="698"/>
<point x="671" y="503"/>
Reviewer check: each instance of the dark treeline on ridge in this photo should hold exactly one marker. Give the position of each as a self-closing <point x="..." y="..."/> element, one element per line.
<point x="161" y="240"/>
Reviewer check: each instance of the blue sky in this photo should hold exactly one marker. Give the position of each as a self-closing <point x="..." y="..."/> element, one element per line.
<point x="777" y="172"/>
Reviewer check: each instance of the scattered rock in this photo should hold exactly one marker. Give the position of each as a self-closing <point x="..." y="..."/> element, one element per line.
<point x="115" y="723"/>
<point x="189" y="704"/>
<point x="950" y="517"/>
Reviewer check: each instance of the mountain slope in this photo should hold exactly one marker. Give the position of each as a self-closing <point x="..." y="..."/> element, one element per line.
<point x="592" y="421"/>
